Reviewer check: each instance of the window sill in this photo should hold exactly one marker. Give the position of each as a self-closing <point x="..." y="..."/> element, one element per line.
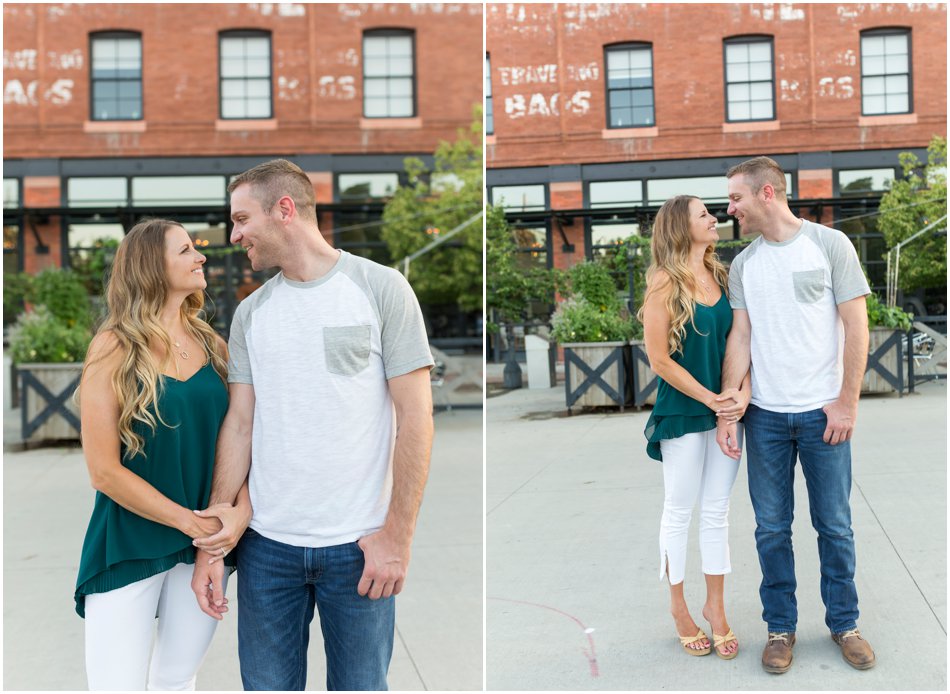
<point x="246" y="124"/>
<point x="752" y="126"/>
<point x="391" y="123"/>
<point x="623" y="133"/>
<point x="114" y="126"/>
<point x="895" y="119"/>
<point x="489" y="139"/>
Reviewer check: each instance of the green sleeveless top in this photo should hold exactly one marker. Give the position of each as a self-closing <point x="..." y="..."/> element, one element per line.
<point x="704" y="347"/>
<point x="122" y="547"/>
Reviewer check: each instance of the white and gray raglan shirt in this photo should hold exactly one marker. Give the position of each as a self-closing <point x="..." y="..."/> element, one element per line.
<point x="319" y="355"/>
<point x="792" y="290"/>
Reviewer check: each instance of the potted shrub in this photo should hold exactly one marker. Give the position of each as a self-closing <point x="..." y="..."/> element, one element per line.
<point x="513" y="285"/>
<point x="594" y="329"/>
<point x="886" y="367"/>
<point x="48" y="344"/>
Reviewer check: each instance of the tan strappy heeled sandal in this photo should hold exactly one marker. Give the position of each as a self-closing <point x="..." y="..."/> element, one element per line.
<point x="687" y="640"/>
<point x="723" y="641"/>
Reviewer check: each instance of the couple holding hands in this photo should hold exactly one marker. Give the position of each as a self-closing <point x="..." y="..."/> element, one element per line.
<point x="779" y="342"/>
<point x="288" y="431"/>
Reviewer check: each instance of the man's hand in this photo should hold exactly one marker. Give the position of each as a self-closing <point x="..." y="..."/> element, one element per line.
<point x="207" y="582"/>
<point x="234" y="521"/>
<point x="386" y="564"/>
<point x="727" y="438"/>
<point x="734" y="410"/>
<point x="841" y="421"/>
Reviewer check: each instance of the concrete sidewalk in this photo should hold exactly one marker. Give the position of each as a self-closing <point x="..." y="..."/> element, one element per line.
<point x="46" y="504"/>
<point x="574" y="600"/>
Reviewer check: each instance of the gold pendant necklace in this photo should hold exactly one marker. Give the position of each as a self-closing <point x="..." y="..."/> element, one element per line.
<point x="182" y="353"/>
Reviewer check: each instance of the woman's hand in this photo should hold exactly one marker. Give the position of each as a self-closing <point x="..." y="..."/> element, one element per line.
<point x="233" y="521"/>
<point x="201" y="527"/>
<point x="732" y="411"/>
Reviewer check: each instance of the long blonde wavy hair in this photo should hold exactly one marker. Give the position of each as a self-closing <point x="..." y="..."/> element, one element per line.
<point x="135" y="295"/>
<point x="670" y="248"/>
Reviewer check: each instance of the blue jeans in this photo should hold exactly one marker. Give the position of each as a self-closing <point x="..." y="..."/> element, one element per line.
<point x="773" y="442"/>
<point x="278" y="586"/>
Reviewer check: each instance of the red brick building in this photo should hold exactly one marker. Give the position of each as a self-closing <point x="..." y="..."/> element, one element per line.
<point x="620" y="106"/>
<point x="115" y="110"/>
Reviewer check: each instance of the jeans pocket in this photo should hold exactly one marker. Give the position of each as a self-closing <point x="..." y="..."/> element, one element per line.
<point x="346" y="349"/>
<point x="809" y="285"/>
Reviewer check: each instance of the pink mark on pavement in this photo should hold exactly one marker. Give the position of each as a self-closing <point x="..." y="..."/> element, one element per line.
<point x="590" y="654"/>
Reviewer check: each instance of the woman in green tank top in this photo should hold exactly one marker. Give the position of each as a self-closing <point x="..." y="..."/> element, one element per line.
<point x="686" y="317"/>
<point x="152" y="397"/>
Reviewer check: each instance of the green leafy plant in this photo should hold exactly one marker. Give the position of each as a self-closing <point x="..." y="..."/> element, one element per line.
<point x="92" y="265"/>
<point x="433" y="203"/>
<point x="883" y="316"/>
<point x="594" y="311"/>
<point x="579" y="320"/>
<point x="914" y="201"/>
<point x="593" y="282"/>
<point x="64" y="294"/>
<point x="39" y="336"/>
<point x="15" y="289"/>
<point x="514" y="285"/>
<point x="631" y="257"/>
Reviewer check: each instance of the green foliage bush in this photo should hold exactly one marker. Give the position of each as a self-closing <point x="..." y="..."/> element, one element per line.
<point x="92" y="265"/>
<point x="593" y="282"/>
<point x="39" y="336"/>
<point x="15" y="288"/>
<point x="914" y="201"/>
<point x="882" y="316"/>
<point x="58" y="328"/>
<point x="511" y="286"/>
<point x="579" y="320"/>
<point x="594" y="311"/>
<point x="64" y="294"/>
<point x="436" y="202"/>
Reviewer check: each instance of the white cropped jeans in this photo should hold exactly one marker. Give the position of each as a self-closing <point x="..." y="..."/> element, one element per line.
<point x="120" y="634"/>
<point x="695" y="468"/>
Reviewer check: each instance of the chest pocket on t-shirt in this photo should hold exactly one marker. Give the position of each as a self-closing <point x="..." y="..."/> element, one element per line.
<point x="809" y="285"/>
<point x="346" y="349"/>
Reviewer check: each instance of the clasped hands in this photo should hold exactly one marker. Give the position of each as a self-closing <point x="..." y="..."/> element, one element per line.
<point x="729" y="406"/>
<point x="207" y="582"/>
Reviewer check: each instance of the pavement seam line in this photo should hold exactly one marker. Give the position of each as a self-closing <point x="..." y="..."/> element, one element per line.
<point x="903" y="563"/>
<point x="521" y="486"/>
<point x="412" y="660"/>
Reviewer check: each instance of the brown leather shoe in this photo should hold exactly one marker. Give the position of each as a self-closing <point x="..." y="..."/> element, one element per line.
<point x="855" y="649"/>
<point x="777" y="656"/>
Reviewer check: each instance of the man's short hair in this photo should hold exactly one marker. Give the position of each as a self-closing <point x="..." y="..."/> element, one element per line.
<point x="272" y="180"/>
<point x="758" y="172"/>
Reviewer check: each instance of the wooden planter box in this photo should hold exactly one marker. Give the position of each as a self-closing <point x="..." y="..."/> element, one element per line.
<point x="644" y="382"/>
<point x="48" y="411"/>
<point x="596" y="374"/>
<point x="887" y="363"/>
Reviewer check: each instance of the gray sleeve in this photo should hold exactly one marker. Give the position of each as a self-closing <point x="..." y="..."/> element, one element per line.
<point x="403" y="334"/>
<point x="847" y="278"/>
<point x="736" y="295"/>
<point x="239" y="365"/>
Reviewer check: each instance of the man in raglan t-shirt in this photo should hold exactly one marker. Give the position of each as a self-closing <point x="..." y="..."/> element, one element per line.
<point x="330" y="423"/>
<point x="800" y="320"/>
